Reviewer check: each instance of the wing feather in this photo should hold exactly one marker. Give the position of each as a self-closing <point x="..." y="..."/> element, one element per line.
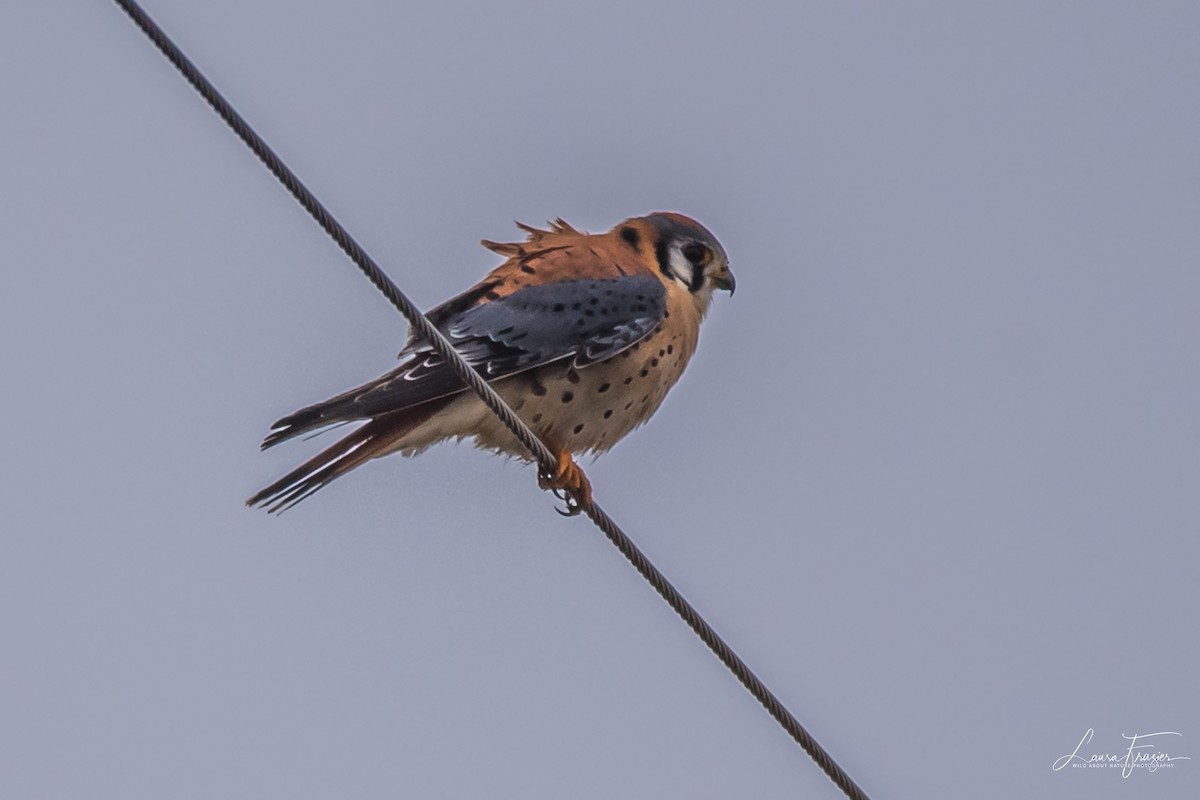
<point x="590" y="319"/>
<point x="585" y="320"/>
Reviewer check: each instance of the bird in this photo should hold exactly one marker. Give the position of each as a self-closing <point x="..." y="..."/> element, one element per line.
<point x="582" y="334"/>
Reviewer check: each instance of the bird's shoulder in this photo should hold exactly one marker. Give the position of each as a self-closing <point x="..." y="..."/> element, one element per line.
<point x="561" y="253"/>
<point x="559" y="292"/>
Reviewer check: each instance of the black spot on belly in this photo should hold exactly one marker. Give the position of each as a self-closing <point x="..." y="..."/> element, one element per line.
<point x="604" y="387"/>
<point x="629" y="380"/>
<point x="579" y="428"/>
<point x="572" y="376"/>
<point x="654" y="362"/>
<point x="539" y="390"/>
<point x="608" y="413"/>
<point x="528" y="269"/>
<point x="670" y="349"/>
<point x="568" y="397"/>
<point x="644" y="372"/>
<point x="536" y="419"/>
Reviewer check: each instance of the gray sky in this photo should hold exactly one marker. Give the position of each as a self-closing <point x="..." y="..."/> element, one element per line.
<point x="933" y="471"/>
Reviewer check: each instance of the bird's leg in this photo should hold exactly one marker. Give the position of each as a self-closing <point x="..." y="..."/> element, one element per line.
<point x="568" y="483"/>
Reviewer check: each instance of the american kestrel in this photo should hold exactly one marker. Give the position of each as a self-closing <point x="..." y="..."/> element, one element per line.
<point x="582" y="334"/>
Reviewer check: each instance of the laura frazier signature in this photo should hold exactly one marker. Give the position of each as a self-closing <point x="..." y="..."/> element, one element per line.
<point x="1135" y="756"/>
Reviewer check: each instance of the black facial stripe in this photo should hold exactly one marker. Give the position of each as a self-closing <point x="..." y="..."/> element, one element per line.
<point x="664" y="258"/>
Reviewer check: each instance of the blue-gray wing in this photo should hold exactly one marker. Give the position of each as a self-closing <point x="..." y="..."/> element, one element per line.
<point x="583" y="320"/>
<point x="591" y="320"/>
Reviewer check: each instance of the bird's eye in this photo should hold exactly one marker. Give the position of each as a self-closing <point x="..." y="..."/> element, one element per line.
<point x="695" y="253"/>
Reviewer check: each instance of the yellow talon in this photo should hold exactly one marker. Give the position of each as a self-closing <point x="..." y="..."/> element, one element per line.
<point x="568" y="483"/>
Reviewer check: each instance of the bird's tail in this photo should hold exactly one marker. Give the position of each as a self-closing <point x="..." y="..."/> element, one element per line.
<point x="377" y="437"/>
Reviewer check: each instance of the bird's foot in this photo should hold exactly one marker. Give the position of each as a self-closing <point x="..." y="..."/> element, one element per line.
<point x="568" y="483"/>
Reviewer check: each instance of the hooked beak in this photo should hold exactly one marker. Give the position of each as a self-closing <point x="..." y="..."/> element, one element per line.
<point x="724" y="280"/>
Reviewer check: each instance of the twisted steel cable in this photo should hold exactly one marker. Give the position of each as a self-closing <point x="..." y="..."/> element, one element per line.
<point x="542" y="454"/>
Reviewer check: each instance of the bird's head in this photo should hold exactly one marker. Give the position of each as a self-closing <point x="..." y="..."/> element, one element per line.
<point x="686" y="253"/>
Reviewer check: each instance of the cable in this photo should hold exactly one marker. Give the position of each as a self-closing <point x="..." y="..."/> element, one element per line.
<point x="541" y="453"/>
